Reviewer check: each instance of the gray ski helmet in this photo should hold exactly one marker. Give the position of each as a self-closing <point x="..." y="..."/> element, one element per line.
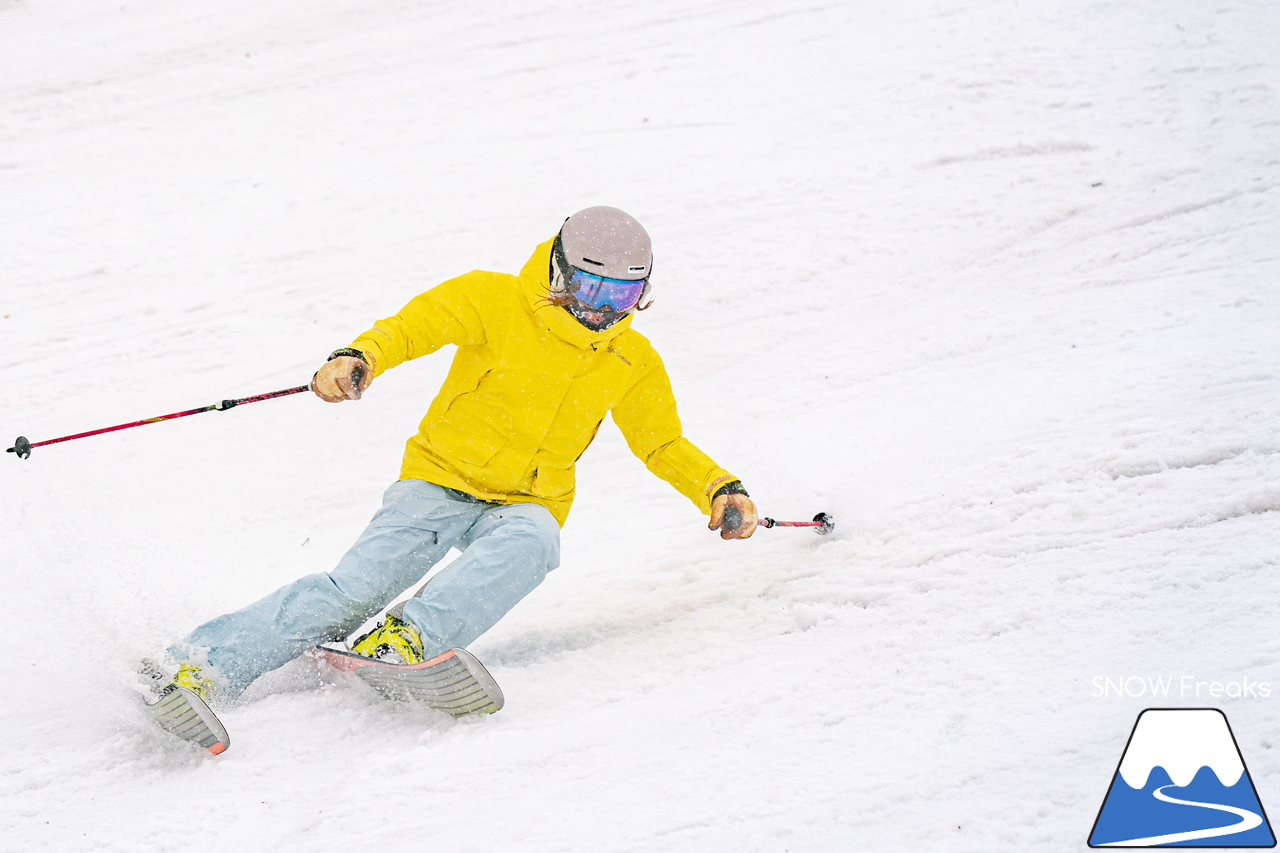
<point x="607" y="242"/>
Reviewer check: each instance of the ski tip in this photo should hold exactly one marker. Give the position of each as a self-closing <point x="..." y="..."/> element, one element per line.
<point x="483" y="679"/>
<point x="184" y="714"/>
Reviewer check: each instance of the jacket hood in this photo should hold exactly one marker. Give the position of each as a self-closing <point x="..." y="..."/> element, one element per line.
<point x="535" y="281"/>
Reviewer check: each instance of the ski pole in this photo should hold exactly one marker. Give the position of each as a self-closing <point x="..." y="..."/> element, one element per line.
<point x="824" y="522"/>
<point x="22" y="446"/>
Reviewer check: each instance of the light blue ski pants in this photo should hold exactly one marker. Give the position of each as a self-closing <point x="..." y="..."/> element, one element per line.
<point x="506" y="551"/>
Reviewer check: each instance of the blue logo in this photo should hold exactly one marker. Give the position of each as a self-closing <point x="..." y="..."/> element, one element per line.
<point x="1181" y="783"/>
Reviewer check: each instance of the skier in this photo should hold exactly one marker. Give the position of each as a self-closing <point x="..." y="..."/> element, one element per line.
<point x="541" y="359"/>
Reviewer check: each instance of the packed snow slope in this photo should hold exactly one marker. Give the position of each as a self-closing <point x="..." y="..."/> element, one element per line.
<point x="998" y="283"/>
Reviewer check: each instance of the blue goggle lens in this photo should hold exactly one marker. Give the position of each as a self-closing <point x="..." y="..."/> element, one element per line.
<point x="596" y="291"/>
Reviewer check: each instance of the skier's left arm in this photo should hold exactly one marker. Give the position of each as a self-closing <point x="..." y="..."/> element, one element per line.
<point x="648" y="419"/>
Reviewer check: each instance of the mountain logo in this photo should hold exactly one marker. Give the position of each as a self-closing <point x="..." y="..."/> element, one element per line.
<point x="1181" y="783"/>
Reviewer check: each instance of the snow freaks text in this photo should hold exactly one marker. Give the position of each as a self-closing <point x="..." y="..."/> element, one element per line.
<point x="1183" y="687"/>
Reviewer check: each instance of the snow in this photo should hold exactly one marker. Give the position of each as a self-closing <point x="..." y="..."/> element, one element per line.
<point x="994" y="282"/>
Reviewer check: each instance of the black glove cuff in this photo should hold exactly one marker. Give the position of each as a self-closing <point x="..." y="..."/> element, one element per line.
<point x="351" y="351"/>
<point x="734" y="487"/>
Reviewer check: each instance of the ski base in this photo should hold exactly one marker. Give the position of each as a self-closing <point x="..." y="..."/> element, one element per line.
<point x="181" y="712"/>
<point x="454" y="682"/>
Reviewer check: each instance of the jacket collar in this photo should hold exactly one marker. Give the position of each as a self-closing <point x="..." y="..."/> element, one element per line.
<point x="535" y="282"/>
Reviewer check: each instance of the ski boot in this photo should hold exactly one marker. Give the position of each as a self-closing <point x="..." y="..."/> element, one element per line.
<point x="393" y="641"/>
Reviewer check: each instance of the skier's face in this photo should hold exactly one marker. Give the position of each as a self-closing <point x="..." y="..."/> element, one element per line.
<point x="595" y="301"/>
<point x="594" y="319"/>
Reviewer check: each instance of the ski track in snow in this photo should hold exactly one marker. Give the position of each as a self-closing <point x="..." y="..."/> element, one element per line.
<point x="996" y="283"/>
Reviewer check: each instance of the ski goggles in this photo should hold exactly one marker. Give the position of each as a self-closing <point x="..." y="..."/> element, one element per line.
<point x="596" y="291"/>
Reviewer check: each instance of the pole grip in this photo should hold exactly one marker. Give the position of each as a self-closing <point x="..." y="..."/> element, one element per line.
<point x="732" y="519"/>
<point x="357" y="377"/>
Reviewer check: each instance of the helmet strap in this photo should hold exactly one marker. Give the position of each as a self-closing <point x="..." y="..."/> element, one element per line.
<point x="560" y="274"/>
<point x="645" y="300"/>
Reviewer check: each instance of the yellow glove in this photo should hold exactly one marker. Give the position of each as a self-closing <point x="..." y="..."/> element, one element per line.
<point x="746" y="510"/>
<point x="342" y="377"/>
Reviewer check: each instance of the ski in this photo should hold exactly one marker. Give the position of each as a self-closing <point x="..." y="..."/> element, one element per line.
<point x="184" y="714"/>
<point x="454" y="682"/>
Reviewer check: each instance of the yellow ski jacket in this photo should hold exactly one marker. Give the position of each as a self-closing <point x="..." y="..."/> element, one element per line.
<point x="528" y="389"/>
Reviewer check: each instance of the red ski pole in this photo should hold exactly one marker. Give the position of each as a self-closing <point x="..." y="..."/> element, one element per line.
<point x="22" y="446"/>
<point x="824" y="522"/>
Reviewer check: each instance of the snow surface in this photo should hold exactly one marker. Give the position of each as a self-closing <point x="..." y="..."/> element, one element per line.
<point x="996" y="282"/>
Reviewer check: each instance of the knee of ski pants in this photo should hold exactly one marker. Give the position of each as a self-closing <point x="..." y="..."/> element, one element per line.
<point x="319" y="605"/>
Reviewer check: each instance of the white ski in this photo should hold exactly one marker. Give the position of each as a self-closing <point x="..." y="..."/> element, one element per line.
<point x="454" y="682"/>
<point x="183" y="713"/>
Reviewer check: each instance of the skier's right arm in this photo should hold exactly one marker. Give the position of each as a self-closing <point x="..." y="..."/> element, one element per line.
<point x="445" y="314"/>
